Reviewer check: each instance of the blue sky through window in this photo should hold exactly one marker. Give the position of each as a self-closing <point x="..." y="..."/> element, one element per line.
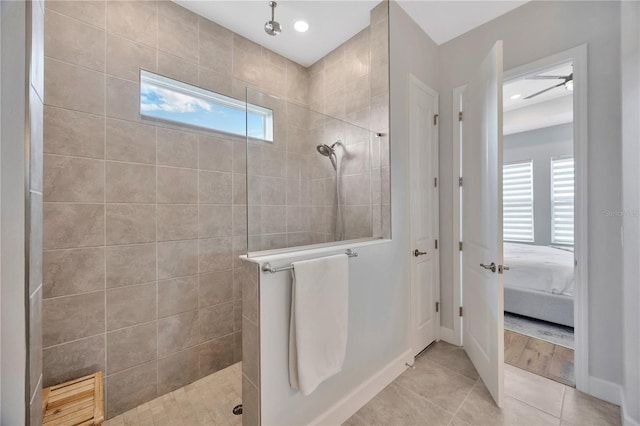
<point x="182" y="103"/>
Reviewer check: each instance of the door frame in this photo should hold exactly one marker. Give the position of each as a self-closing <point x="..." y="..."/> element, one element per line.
<point x="577" y="55"/>
<point x="413" y="80"/>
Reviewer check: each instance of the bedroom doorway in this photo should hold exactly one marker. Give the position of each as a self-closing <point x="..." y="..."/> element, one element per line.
<point x="538" y="188"/>
<point x="577" y="58"/>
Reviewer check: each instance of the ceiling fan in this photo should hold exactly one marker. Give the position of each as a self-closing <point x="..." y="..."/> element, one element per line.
<point x="567" y="82"/>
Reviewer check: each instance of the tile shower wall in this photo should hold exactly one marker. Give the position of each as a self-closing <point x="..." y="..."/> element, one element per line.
<point x="144" y="221"/>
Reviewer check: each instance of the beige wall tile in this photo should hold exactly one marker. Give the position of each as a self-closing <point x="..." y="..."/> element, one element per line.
<point x="130" y="305"/>
<point x="216" y="321"/>
<point x="215" y="288"/>
<point x="91" y="12"/>
<point x="215" y="81"/>
<point x="72" y="360"/>
<point x="177" y="31"/>
<point x="177" y="222"/>
<point x="131" y="346"/>
<point x="73" y="225"/>
<point x="215" y="187"/>
<point x="120" y="183"/>
<point x="274" y="71"/>
<point x="177" y="258"/>
<point x="123" y="99"/>
<point x="125" y="58"/>
<point x="177" y="186"/>
<point x="131" y="223"/>
<point x="249" y="283"/>
<point x="274" y="162"/>
<point x="215" y="355"/>
<point x="67" y="272"/>
<point x="247" y="60"/>
<point x="215" y="154"/>
<point x="178" y="332"/>
<point x="135" y="20"/>
<point x="215" y="254"/>
<point x="297" y="83"/>
<point x="128" y="389"/>
<point x="73" y="179"/>
<point x="179" y="149"/>
<point x="74" y="42"/>
<point x="274" y="219"/>
<point x="215" y="47"/>
<point x="177" y="295"/>
<point x="131" y="142"/>
<point x="214" y="221"/>
<point x="177" y="68"/>
<point x="72" y="317"/>
<point x="121" y="270"/>
<point x="239" y="196"/>
<point x="251" y="351"/>
<point x="250" y="402"/>
<point x="274" y="191"/>
<point x="72" y="87"/>
<point x="69" y="132"/>
<point x="178" y="370"/>
<point x="240" y="157"/>
<point x="239" y="221"/>
<point x="357" y="189"/>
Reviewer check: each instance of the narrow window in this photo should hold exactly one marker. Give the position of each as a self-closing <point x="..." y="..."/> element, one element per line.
<point x="562" y="194"/>
<point x="172" y="100"/>
<point x="517" y="199"/>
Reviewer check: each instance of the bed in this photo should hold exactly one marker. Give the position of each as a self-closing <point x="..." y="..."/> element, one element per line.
<point x="540" y="282"/>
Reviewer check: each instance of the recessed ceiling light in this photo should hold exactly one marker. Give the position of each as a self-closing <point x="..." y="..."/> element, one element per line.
<point x="301" y="26"/>
<point x="516" y="96"/>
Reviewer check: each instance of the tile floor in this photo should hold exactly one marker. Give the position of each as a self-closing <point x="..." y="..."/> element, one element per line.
<point x="208" y="401"/>
<point x="444" y="389"/>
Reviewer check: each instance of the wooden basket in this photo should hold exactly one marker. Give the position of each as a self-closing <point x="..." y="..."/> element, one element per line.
<point x="78" y="402"/>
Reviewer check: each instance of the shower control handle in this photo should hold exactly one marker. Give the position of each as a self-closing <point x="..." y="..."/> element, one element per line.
<point x="417" y="253"/>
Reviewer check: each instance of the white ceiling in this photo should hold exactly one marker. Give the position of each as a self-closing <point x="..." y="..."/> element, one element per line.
<point x="446" y="20"/>
<point x="331" y="23"/>
<point x="547" y="109"/>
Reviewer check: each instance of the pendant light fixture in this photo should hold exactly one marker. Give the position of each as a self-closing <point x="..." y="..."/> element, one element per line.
<point x="272" y="27"/>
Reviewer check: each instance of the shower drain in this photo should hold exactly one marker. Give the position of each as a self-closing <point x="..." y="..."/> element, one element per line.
<point x="237" y="410"/>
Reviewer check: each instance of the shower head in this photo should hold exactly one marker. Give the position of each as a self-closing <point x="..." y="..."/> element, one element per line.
<point x="329" y="151"/>
<point x="325" y="150"/>
<point x="272" y="27"/>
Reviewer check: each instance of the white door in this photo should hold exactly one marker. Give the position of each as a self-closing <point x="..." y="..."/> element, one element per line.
<point x="423" y="142"/>
<point x="481" y="159"/>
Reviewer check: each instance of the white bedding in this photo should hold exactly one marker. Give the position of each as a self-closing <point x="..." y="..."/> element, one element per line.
<point x="539" y="268"/>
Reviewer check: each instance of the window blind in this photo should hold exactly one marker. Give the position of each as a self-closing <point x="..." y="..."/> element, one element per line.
<point x="517" y="199"/>
<point x="562" y="195"/>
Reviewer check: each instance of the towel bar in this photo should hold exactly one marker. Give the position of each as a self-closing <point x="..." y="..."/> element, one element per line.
<point x="268" y="268"/>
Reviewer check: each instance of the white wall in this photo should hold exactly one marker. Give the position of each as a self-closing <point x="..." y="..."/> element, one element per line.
<point x="630" y="79"/>
<point x="379" y="277"/>
<point x="12" y="213"/>
<point x="531" y="32"/>
<point x="540" y="146"/>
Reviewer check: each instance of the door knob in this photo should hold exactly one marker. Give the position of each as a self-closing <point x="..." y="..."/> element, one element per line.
<point x="417" y="253"/>
<point x="502" y="268"/>
<point x="491" y="267"/>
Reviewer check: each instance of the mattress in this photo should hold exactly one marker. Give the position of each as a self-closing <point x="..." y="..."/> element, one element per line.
<point x="539" y="268"/>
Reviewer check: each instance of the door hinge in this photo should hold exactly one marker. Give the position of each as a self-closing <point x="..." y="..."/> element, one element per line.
<point x="461" y="312"/>
<point x="435" y="119"/>
<point x="460" y="181"/>
<point x="460" y="116"/>
<point x="437" y="306"/>
<point x="436" y="244"/>
<point x="435" y="182"/>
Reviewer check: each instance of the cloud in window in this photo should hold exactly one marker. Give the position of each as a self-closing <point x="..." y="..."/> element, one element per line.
<point x="155" y="98"/>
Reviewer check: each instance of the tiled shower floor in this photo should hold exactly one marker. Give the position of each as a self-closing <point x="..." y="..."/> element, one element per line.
<point x="208" y="401"/>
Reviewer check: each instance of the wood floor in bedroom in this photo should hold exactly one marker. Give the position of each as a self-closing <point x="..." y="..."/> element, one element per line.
<point x="543" y="358"/>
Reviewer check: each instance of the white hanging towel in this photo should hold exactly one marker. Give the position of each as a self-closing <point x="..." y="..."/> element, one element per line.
<point x="319" y="321"/>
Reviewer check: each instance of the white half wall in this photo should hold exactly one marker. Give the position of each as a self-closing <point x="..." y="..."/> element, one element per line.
<point x="566" y="25"/>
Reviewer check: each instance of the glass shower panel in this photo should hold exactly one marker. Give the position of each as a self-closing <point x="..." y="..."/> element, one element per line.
<point x="319" y="181"/>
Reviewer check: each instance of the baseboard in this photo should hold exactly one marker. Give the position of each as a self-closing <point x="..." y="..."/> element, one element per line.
<point x="626" y="419"/>
<point x="347" y="406"/>
<point x="605" y="390"/>
<point x="447" y="335"/>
